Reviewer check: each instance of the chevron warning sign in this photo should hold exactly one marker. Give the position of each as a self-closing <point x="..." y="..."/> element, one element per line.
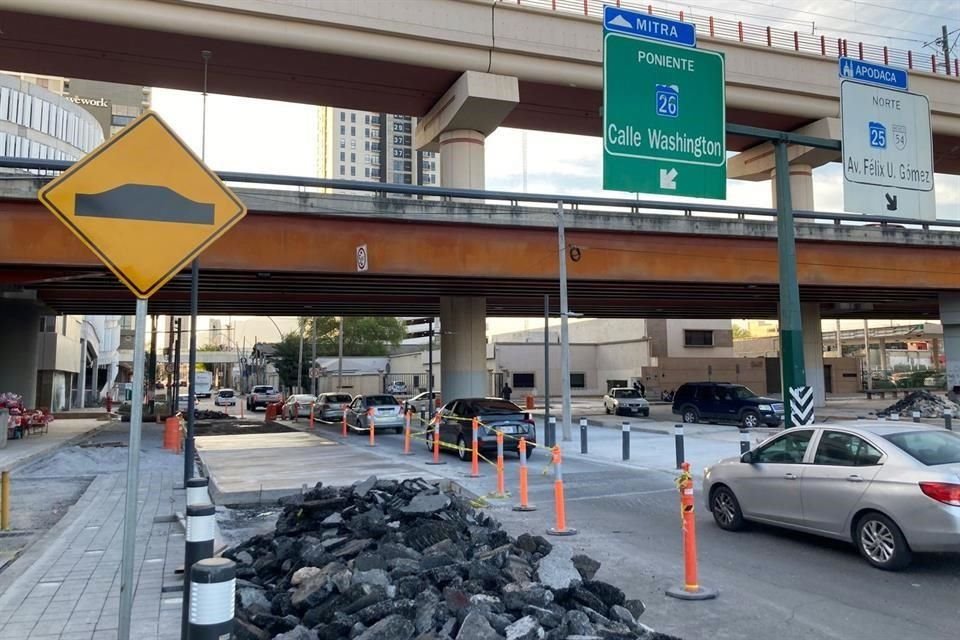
<point x="801" y="406"/>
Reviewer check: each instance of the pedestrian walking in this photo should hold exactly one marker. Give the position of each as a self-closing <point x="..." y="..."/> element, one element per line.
<point x="506" y="392"/>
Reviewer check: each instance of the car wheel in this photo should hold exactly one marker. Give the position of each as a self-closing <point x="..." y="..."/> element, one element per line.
<point x="726" y="509"/>
<point x="430" y="436"/>
<point x="530" y="449"/>
<point x="398" y="430"/>
<point x="881" y="542"/>
<point x="750" y="420"/>
<point x="690" y="414"/>
<point x="462" y="451"/>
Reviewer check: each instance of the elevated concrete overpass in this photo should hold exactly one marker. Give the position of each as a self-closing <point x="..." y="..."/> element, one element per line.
<point x="401" y="57"/>
<point x="294" y="255"/>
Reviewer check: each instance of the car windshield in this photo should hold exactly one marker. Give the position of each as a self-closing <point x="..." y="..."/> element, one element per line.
<point x="339" y="398"/>
<point x="263" y="389"/>
<point x="929" y="447"/>
<point x="381" y="401"/>
<point x="301" y="398"/>
<point x="626" y="393"/>
<point x="226" y="393"/>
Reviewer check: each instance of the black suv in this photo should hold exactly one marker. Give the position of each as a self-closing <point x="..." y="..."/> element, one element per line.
<point x="722" y="401"/>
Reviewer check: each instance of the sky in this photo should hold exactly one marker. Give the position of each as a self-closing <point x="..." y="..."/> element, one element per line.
<point x="272" y="137"/>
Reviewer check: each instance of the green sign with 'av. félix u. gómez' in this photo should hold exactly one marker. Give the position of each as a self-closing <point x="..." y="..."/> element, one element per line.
<point x="664" y="119"/>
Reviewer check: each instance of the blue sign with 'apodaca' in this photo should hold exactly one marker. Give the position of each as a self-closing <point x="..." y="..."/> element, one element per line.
<point x="878" y="74"/>
<point x="644" y="25"/>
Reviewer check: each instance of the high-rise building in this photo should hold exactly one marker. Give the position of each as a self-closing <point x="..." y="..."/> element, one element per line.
<point x="375" y="147"/>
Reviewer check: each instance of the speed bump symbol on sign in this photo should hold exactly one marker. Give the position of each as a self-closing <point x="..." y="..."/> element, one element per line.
<point x="144" y="203"/>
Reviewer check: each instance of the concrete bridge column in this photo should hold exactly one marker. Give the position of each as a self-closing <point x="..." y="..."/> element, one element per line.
<point x="950" y="317"/>
<point x="463" y="347"/>
<point x="457" y="127"/>
<point x="813" y="352"/>
<point x="19" y="339"/>
<point x="801" y="186"/>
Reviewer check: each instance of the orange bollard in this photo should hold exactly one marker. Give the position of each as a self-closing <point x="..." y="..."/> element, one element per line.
<point x="501" y="490"/>
<point x="371" y="425"/>
<point x="475" y="457"/>
<point x="171" y="433"/>
<point x="561" y="529"/>
<point x="436" y="441"/>
<point x="691" y="589"/>
<point x="523" y="506"/>
<point x="344" y="433"/>
<point x="406" y="434"/>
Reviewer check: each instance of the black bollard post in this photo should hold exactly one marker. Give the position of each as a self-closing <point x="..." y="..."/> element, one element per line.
<point x="198" y="491"/>
<point x="551" y="434"/>
<point x="214" y="584"/>
<point x="678" y="442"/>
<point x="948" y="420"/>
<point x="744" y="441"/>
<point x="200" y="527"/>
<point x="583" y="435"/>
<point x="626" y="440"/>
<point x="916" y="416"/>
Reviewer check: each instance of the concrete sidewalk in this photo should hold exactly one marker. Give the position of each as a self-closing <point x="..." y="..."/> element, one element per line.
<point x="67" y="585"/>
<point x="22" y="451"/>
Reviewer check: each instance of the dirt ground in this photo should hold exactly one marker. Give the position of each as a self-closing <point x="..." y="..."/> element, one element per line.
<point x="237" y="427"/>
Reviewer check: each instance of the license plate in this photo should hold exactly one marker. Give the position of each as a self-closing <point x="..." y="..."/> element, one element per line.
<point x="507" y="428"/>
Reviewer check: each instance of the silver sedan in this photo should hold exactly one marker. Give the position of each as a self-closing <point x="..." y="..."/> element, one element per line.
<point x="891" y="489"/>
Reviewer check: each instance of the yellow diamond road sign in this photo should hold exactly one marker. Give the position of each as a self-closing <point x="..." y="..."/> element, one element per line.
<point x="144" y="203"/>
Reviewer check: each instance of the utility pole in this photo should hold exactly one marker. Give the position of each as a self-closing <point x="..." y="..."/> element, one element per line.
<point x="314" y="381"/>
<point x="340" y="356"/>
<point x="946" y="48"/>
<point x="152" y="366"/>
<point x="866" y="354"/>
<point x="300" y="361"/>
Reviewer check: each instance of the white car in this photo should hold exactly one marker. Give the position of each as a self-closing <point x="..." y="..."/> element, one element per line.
<point x="626" y="400"/>
<point x="225" y="398"/>
<point x="397" y="386"/>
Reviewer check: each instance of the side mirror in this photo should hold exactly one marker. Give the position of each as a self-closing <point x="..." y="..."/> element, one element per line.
<point x="747" y="457"/>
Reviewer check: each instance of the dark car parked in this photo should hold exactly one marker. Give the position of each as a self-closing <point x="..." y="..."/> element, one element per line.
<point x="725" y="402"/>
<point x="456" y="426"/>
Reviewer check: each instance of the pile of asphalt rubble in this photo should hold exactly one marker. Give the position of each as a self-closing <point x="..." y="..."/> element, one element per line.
<point x="388" y="560"/>
<point x="928" y="404"/>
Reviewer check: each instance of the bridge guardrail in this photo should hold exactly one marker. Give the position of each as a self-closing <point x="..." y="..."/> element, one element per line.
<point x="575" y="204"/>
<point x="811" y="43"/>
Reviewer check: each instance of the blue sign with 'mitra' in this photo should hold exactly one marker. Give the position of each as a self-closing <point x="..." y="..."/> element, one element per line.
<point x="644" y="25"/>
<point x="870" y="73"/>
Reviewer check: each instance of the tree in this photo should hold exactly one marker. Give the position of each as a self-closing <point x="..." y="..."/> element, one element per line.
<point x="740" y="333"/>
<point x="362" y="337"/>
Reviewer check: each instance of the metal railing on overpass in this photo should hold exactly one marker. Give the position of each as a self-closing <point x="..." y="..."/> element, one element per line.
<point x="767" y="36"/>
<point x="44" y="170"/>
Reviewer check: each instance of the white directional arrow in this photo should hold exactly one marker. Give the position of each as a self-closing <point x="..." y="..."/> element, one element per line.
<point x="668" y="179"/>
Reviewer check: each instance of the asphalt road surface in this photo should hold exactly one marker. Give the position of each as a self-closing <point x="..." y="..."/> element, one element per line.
<point x="773" y="584"/>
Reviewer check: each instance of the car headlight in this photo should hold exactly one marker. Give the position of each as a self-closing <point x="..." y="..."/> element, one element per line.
<point x="765" y="407"/>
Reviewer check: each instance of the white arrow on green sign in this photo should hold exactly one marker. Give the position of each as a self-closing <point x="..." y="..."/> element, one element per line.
<point x="664" y="118"/>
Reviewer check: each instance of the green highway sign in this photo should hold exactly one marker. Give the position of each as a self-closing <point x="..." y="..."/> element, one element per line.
<point x="664" y="118"/>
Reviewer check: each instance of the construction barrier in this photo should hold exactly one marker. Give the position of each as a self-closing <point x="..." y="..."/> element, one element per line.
<point x="371" y="426"/>
<point x="436" y="441"/>
<point x="475" y="449"/>
<point x="406" y="434"/>
<point x="561" y="529"/>
<point x="524" y="504"/>
<point x="171" y="434"/>
<point x="4" y="499"/>
<point x="501" y="490"/>
<point x="691" y="589"/>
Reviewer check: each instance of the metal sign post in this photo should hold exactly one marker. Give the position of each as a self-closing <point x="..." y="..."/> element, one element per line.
<point x="564" y="330"/>
<point x="792" y="371"/>
<point x="133" y="472"/>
